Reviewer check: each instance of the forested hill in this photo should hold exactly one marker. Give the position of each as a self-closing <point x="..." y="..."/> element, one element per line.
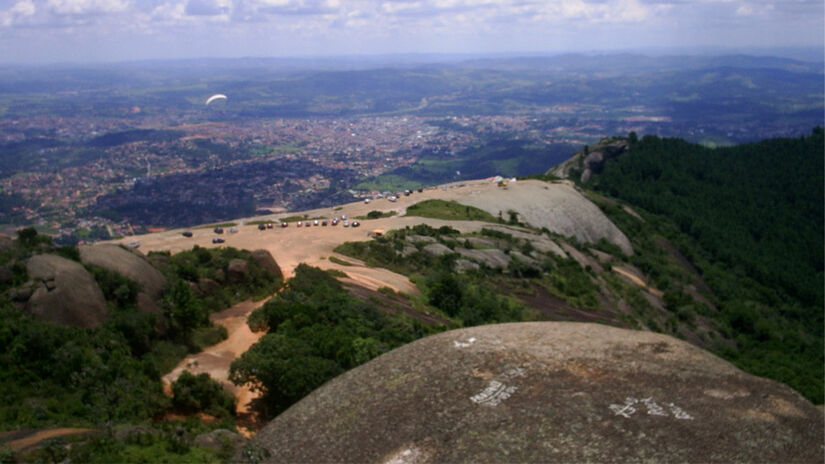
<point x="758" y="207"/>
<point x="750" y="218"/>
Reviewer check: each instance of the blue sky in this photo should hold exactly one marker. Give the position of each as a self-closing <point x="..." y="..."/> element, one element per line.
<point x="43" y="31"/>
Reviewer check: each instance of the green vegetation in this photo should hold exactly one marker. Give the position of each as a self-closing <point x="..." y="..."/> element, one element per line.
<point x="339" y="261"/>
<point x="164" y="445"/>
<point x="62" y="376"/>
<point x="449" y="210"/>
<point x="199" y="393"/>
<point x="209" y="270"/>
<point x="221" y="224"/>
<point x="466" y="298"/>
<point x="375" y="214"/>
<point x="503" y="155"/>
<point x="316" y="331"/>
<point x="750" y="219"/>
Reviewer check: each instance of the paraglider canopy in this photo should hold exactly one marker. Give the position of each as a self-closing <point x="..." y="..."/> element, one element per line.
<point x="217" y="96"/>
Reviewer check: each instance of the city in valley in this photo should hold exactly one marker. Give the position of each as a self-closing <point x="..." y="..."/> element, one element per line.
<point x="100" y="154"/>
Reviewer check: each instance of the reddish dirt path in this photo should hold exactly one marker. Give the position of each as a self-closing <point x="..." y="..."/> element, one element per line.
<point x="33" y="438"/>
<point x="216" y="359"/>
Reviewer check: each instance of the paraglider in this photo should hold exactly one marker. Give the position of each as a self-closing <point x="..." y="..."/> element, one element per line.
<point x="217" y="96"/>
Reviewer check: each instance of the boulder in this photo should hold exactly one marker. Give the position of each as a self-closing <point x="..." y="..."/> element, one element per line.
<point x="546" y="392"/>
<point x="64" y="292"/>
<point x="463" y="265"/>
<point x="6" y="243"/>
<point x="237" y="269"/>
<point x="492" y="258"/>
<point x="264" y="259"/>
<point x="437" y="249"/>
<point x="220" y="440"/>
<point x="206" y="286"/>
<point x="420" y="239"/>
<point x="6" y="276"/>
<point x="126" y="263"/>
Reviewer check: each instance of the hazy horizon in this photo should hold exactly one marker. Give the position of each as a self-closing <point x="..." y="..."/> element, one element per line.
<point x="103" y="31"/>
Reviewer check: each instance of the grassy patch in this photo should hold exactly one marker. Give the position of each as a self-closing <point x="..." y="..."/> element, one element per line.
<point x="222" y="224"/>
<point x="204" y="337"/>
<point x="375" y="214"/>
<point x="295" y="218"/>
<point x="449" y="210"/>
<point x="340" y="261"/>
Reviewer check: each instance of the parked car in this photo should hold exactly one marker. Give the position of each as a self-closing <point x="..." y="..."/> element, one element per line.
<point x="355" y="223"/>
<point x="217" y="240"/>
<point x="345" y="223"/>
<point x="187" y="234"/>
<point x="324" y="222"/>
<point x="261" y="226"/>
<point x="218" y="230"/>
<point x="269" y="225"/>
<point x="284" y="224"/>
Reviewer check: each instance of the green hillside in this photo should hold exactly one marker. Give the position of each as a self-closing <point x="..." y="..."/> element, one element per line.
<point x="750" y="218"/>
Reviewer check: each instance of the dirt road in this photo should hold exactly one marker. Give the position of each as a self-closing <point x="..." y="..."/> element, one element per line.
<point x="29" y="440"/>
<point x="216" y="359"/>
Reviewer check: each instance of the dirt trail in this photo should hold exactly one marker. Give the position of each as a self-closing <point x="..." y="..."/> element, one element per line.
<point x="637" y="280"/>
<point x="216" y="359"/>
<point x="34" y="438"/>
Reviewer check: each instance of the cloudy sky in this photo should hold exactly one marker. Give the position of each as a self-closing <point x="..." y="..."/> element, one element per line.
<point x="43" y="31"/>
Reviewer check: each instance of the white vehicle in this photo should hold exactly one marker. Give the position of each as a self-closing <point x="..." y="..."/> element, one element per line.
<point x="367" y="201"/>
<point x="346" y="223"/>
<point x="233" y="230"/>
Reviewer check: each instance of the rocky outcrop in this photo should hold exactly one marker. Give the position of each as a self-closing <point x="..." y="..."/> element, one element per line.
<point x="492" y="258"/>
<point x="64" y="292"/>
<point x="558" y="207"/>
<point x="546" y="392"/>
<point x="126" y="263"/>
<point x="591" y="160"/>
<point x="219" y="440"/>
<point x="237" y="269"/>
<point x="437" y="249"/>
<point x="266" y="261"/>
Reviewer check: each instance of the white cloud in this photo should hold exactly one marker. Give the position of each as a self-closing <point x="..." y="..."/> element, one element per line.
<point x="17" y="13"/>
<point x="82" y="7"/>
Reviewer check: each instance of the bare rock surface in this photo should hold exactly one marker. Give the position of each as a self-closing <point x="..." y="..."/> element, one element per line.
<point x="437" y="249"/>
<point x="219" y="440"/>
<point x="546" y="392"/>
<point x="492" y="257"/>
<point x="126" y="263"/>
<point x="237" y="269"/>
<point x="557" y="206"/>
<point x="264" y="259"/>
<point x="64" y="292"/>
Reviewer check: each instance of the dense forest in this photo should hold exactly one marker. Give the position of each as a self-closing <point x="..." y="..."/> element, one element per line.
<point x="750" y="217"/>
<point x="108" y="377"/>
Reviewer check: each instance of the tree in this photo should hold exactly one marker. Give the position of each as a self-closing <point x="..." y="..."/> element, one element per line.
<point x="284" y="369"/>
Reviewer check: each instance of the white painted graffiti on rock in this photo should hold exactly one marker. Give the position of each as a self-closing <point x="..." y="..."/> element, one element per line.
<point x="494" y="394"/>
<point x="513" y="373"/>
<point x="465" y="343"/>
<point x="632" y="405"/>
